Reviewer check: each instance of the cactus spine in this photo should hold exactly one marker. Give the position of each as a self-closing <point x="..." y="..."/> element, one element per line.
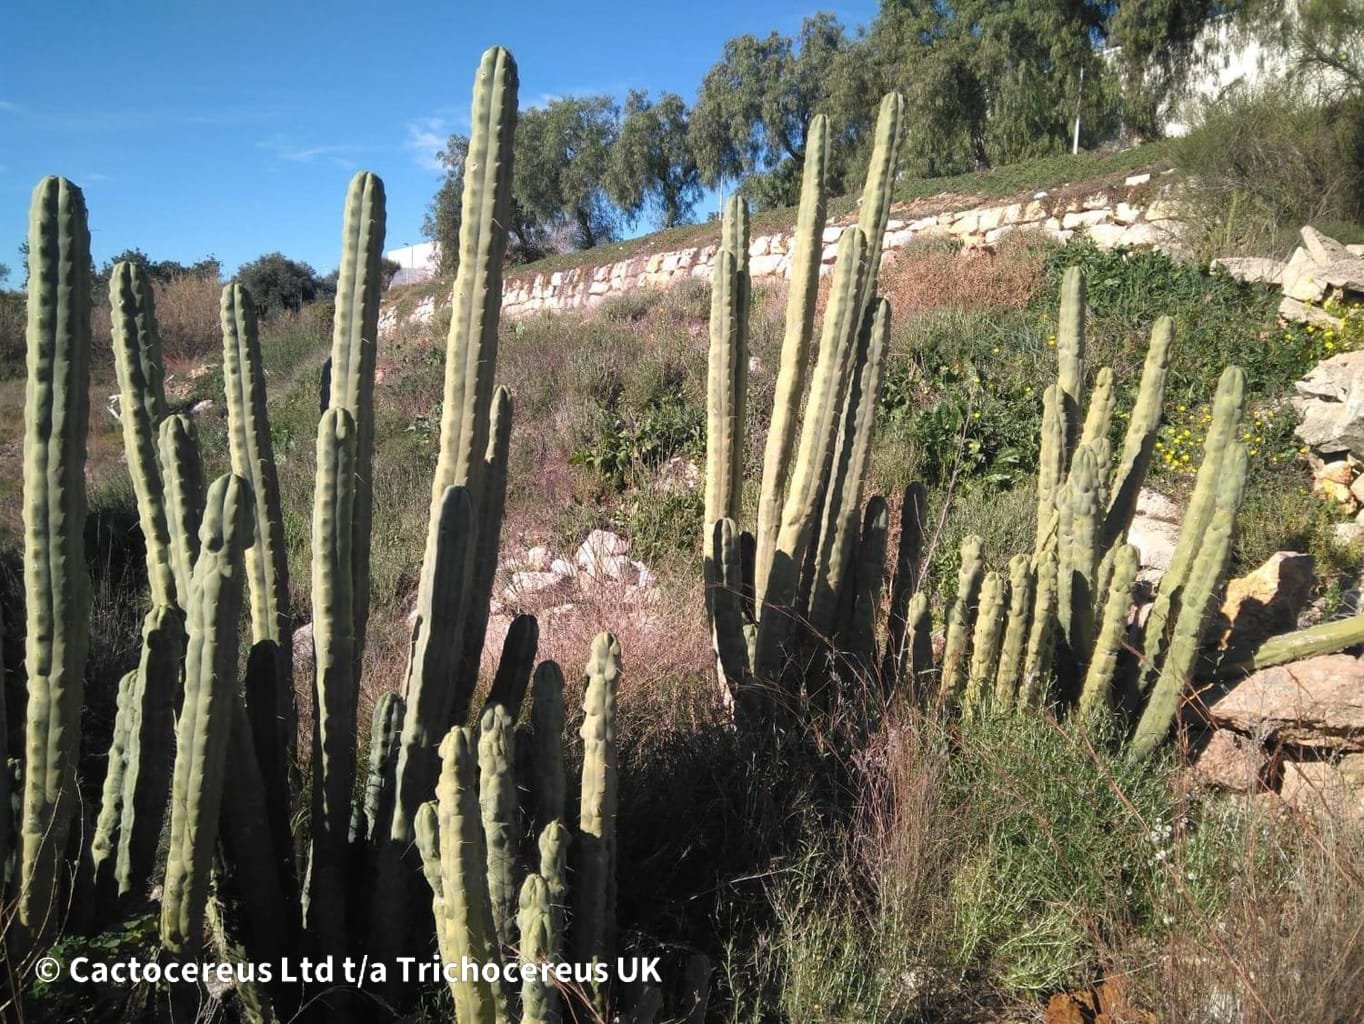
<point x="214" y="609"/>
<point x="56" y="582"/>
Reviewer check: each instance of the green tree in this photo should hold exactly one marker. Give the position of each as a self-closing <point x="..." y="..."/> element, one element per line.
<point x="995" y="81"/>
<point x="160" y="270"/>
<point x="278" y="283"/>
<point x="755" y="105"/>
<point x="561" y="162"/>
<point x="651" y="164"/>
<point x="1323" y="40"/>
<point x="4" y="273"/>
<point x="443" y="217"/>
<point x="1154" y="42"/>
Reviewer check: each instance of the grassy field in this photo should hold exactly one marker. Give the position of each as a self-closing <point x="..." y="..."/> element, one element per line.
<point x="929" y="873"/>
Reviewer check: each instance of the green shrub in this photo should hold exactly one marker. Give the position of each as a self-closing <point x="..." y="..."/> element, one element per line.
<point x="1267" y="160"/>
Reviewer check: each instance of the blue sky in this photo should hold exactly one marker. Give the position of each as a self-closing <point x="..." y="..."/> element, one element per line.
<point x="232" y="129"/>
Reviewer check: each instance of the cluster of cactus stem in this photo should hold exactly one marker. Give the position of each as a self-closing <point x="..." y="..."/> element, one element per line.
<point x="1054" y="627"/>
<point x="187" y="717"/>
<point x="812" y="570"/>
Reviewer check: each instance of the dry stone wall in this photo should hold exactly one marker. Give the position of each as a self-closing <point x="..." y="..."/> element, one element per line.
<point x="1139" y="212"/>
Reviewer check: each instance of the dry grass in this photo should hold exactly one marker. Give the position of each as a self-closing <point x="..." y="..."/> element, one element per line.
<point x="933" y="277"/>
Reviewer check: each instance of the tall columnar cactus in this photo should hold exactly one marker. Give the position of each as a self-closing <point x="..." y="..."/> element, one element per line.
<point x="959" y="618"/>
<point x="374" y="810"/>
<point x="859" y="630"/>
<point x="843" y="496"/>
<point x="1070" y="353"/>
<point x="806" y="250"/>
<point x="986" y="639"/>
<point x="492" y="501"/>
<point x="182" y="476"/>
<point x="137" y="782"/>
<point x="1196" y="606"/>
<point x="466" y="425"/>
<point x="355" y="337"/>
<point x="516" y="665"/>
<point x="56" y="582"/>
<point x="450" y="837"/>
<point x="1012" y="650"/>
<point x="1140" y="441"/>
<point x="535" y="923"/>
<point x="137" y="360"/>
<point x="213" y="612"/>
<point x="271" y="702"/>
<point x="1226" y="418"/>
<point x="547" y="746"/>
<point x="595" y="879"/>
<point x="1098" y="696"/>
<point x="727" y="373"/>
<point x="1041" y="633"/>
<point x="497" y="801"/>
<point x="904" y="581"/>
<point x="335" y="683"/>
<point x="1077" y="552"/>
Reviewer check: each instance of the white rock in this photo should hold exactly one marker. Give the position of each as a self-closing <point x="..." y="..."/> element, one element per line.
<point x="600" y="545"/>
<point x="1155" y="529"/>
<point x="563" y="567"/>
<point x="539" y="558"/>
<point x="644" y="579"/>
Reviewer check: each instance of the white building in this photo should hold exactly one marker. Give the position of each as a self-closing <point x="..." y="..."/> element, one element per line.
<point x="417" y="262"/>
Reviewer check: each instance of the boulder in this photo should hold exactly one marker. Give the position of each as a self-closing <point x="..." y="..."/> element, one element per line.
<point x="1253" y="269"/>
<point x="1317" y="703"/>
<point x="1267" y="600"/>
<point x="1330" y="404"/>
<point x="599" y="546"/>
<point x="1328" y="792"/>
<point x="1155" y="529"/>
<point x="1232" y="762"/>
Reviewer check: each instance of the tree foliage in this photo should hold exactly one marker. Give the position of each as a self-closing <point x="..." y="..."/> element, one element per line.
<point x="651" y="165"/>
<point x="277" y="283"/>
<point x="562" y="156"/>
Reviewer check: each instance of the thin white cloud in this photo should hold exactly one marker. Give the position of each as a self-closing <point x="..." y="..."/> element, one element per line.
<point x="425" y="138"/>
<point x="289" y="151"/>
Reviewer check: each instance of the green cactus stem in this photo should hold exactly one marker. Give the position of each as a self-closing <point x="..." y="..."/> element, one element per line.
<point x="374" y="811"/>
<point x="986" y="639"/>
<point x="1098" y="696"/>
<point x="727" y="370"/>
<point x="1041" y="635"/>
<point x="1195" y="610"/>
<point x="500" y="814"/>
<point x="1070" y="353"/>
<point x="806" y="250"/>
<point x="904" y="580"/>
<point x="547" y="745"/>
<point x="137" y="362"/>
<point x="515" y="666"/>
<point x="919" y="644"/>
<point x="1077" y="553"/>
<point x="554" y="843"/>
<point x="814" y="456"/>
<point x="355" y="339"/>
<point x="960" y="617"/>
<point x="466" y="424"/>
<point x="56" y="582"/>
<point x="137" y="784"/>
<point x="860" y="630"/>
<point x="492" y="502"/>
<point x="1051" y="467"/>
<point x="1140" y="441"/>
<point x="452" y="838"/>
<point x="1324" y="638"/>
<point x="1013" y="647"/>
<point x="334" y="681"/>
<point x="205" y="725"/>
<point x="539" y="998"/>
<point x="182" y="477"/>
<point x="595" y="907"/>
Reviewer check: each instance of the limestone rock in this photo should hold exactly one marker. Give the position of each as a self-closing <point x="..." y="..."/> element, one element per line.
<point x="1317" y="702"/>
<point x="1330" y="405"/>
<point x="1269" y="599"/>
<point x="1329" y="792"/>
<point x="1254" y="269"/>
<point x="1155" y="529"/>
<point x="1232" y="762"/>
<point x="599" y="546"/>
